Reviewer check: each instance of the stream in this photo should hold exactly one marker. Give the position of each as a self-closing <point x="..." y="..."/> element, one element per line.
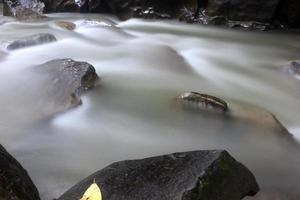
<point x="131" y="114"/>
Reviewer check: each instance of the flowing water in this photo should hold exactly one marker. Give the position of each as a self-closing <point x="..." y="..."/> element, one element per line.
<point x="131" y="113"/>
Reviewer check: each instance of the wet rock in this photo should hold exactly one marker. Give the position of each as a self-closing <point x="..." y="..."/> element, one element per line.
<point x="94" y="6"/>
<point x="26" y="14"/>
<point x="258" y="117"/>
<point x="187" y="176"/>
<point x="154" y="9"/>
<point x="237" y="112"/>
<point x="68" y="78"/>
<point x="250" y="10"/>
<point x="15" y="183"/>
<point x="294" y="68"/>
<point x="29" y="10"/>
<point x="31" y="40"/>
<point x="202" y="101"/>
<point x="66" y="25"/>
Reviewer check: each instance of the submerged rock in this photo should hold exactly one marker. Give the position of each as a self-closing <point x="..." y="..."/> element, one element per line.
<point x="205" y="175"/>
<point x="68" y="78"/>
<point x="31" y="40"/>
<point x="236" y="112"/>
<point x="15" y="183"/>
<point x="258" y="117"/>
<point x="294" y="68"/>
<point x="202" y="101"/>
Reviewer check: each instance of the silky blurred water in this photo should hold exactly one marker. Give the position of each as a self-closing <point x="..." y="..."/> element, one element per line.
<point x="131" y="114"/>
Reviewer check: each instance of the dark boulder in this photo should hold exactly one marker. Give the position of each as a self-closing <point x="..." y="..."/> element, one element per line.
<point x="243" y="10"/>
<point x="94" y="6"/>
<point x="31" y="40"/>
<point x="15" y="183"/>
<point x="68" y="78"/>
<point x="205" y="175"/>
<point x="60" y="6"/>
<point x="154" y="9"/>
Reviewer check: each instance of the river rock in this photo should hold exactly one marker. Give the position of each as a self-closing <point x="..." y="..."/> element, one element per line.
<point x="31" y="40"/>
<point x="94" y="6"/>
<point x="29" y="10"/>
<point x="202" y="101"/>
<point x="205" y="175"/>
<point x="154" y="9"/>
<point x="68" y="78"/>
<point x="15" y="183"/>
<point x="66" y="25"/>
<point x="237" y="112"/>
<point x="294" y="68"/>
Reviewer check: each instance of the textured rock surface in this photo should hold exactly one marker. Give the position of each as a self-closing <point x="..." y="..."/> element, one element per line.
<point x="202" y="101"/>
<point x="60" y="6"/>
<point x="31" y="40"/>
<point x="15" y="184"/>
<point x="294" y="68"/>
<point x="28" y="10"/>
<point x="205" y="175"/>
<point x="68" y="78"/>
<point x="94" y="6"/>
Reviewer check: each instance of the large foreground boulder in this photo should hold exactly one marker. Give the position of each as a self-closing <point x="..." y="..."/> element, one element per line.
<point x="15" y="184"/>
<point x="205" y="175"/>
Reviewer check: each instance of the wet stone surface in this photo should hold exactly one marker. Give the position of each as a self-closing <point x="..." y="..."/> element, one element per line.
<point x="15" y="183"/>
<point x="204" y="175"/>
<point x="202" y="101"/>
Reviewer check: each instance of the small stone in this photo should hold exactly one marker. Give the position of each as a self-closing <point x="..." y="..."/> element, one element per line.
<point x="202" y="101"/>
<point x="66" y="25"/>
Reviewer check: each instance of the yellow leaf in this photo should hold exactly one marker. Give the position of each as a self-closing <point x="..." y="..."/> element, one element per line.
<point x="92" y="193"/>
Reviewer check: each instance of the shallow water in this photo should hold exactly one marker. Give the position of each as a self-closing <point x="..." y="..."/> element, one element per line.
<point x="131" y="113"/>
